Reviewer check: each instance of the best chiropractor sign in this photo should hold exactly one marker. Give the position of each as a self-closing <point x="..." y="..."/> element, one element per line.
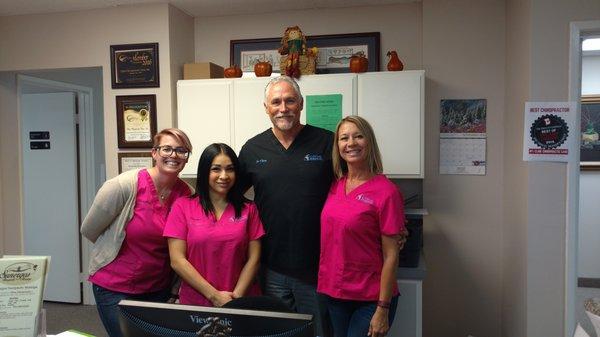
<point x="550" y="131"/>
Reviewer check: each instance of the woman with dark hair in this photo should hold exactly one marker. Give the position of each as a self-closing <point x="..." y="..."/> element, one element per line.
<point x="214" y="234"/>
<point x="362" y="231"/>
<point x="130" y="258"/>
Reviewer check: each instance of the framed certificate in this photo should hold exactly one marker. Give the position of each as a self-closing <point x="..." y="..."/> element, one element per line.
<point x="136" y="121"/>
<point x="134" y="66"/>
<point x="134" y="160"/>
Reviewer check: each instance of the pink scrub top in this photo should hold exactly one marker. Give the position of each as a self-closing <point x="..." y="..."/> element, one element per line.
<point x="142" y="264"/>
<point x="218" y="249"/>
<point x="351" y="229"/>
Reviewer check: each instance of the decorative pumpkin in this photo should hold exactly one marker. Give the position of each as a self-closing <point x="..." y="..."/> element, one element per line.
<point x="232" y="72"/>
<point x="263" y="69"/>
<point x="394" y="64"/>
<point x="359" y="63"/>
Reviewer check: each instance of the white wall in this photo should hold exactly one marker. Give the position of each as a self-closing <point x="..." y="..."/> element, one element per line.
<point x="514" y="287"/>
<point x="590" y="75"/>
<point x="589" y="184"/>
<point x="464" y="57"/>
<point x="10" y="193"/>
<point x="181" y="37"/>
<point x="400" y="27"/>
<point x="461" y="47"/>
<point x="494" y="244"/>
<point x="551" y="187"/>
<point x="75" y="40"/>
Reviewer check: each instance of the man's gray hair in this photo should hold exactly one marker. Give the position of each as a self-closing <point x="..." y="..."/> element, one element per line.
<point x="289" y="81"/>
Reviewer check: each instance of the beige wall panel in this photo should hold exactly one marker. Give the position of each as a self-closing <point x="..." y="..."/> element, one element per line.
<point x="72" y="40"/>
<point x="518" y="76"/>
<point x="400" y="27"/>
<point x="181" y="37"/>
<point x="464" y="58"/>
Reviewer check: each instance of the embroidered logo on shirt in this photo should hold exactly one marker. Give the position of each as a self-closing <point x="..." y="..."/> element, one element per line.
<point x="240" y="219"/>
<point x="261" y="161"/>
<point x="313" y="157"/>
<point x="365" y="199"/>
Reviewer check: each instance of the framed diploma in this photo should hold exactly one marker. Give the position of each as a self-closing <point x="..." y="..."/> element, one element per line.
<point x="134" y="66"/>
<point x="136" y="120"/>
<point x="134" y="160"/>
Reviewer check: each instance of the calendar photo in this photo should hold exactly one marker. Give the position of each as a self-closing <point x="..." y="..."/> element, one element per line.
<point x="463" y="137"/>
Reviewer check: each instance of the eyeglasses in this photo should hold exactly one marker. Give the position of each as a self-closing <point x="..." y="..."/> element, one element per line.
<point x="166" y="151"/>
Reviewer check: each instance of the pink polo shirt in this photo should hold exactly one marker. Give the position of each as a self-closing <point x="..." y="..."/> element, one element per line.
<point x="218" y="249"/>
<point x="142" y="264"/>
<point x="351" y="229"/>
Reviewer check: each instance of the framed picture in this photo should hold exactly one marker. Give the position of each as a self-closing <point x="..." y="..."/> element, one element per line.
<point x="136" y="120"/>
<point x="334" y="51"/>
<point x="590" y="129"/>
<point x="134" y="160"/>
<point x="134" y="65"/>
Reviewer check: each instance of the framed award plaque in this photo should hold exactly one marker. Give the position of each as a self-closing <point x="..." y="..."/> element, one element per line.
<point x="134" y="66"/>
<point x="134" y="160"/>
<point x="136" y="120"/>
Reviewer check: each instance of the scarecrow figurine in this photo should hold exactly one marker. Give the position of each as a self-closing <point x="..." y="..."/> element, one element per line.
<point x="293" y="43"/>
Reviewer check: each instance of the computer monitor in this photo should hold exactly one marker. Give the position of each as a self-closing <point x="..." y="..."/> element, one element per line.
<point x="149" y="319"/>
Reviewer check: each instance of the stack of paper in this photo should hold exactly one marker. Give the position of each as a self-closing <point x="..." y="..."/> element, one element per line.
<point x="22" y="280"/>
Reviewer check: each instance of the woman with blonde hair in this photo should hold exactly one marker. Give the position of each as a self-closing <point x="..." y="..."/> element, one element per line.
<point x="130" y="257"/>
<point x="362" y="224"/>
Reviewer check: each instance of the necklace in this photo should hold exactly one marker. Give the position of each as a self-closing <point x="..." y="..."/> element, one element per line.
<point x="163" y="194"/>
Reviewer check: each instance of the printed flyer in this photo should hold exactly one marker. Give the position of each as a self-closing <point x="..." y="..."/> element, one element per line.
<point x="22" y="280"/>
<point x="548" y="134"/>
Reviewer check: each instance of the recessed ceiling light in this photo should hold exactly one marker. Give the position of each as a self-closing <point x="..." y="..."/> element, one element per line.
<point x="590" y="44"/>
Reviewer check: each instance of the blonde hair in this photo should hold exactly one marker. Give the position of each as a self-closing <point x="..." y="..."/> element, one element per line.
<point x="340" y="167"/>
<point x="175" y="133"/>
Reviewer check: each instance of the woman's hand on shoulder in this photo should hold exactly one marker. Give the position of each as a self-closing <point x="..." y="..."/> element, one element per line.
<point x="219" y="298"/>
<point x="379" y="325"/>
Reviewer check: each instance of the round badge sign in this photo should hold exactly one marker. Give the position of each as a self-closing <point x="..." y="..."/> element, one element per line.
<point x="549" y="131"/>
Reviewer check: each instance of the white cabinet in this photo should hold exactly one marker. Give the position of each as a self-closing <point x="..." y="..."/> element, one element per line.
<point x="204" y="115"/>
<point x="231" y="111"/>
<point x="392" y="102"/>
<point x="249" y="113"/>
<point x="408" y="321"/>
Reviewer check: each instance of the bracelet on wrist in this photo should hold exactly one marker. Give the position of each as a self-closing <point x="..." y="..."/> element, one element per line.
<point x="383" y="304"/>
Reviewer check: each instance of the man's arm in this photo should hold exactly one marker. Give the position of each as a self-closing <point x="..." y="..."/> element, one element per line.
<point x="245" y="179"/>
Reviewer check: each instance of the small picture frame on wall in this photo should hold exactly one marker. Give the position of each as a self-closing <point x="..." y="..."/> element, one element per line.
<point x="134" y="66"/>
<point x="136" y="121"/>
<point x="590" y="133"/>
<point x="134" y="160"/>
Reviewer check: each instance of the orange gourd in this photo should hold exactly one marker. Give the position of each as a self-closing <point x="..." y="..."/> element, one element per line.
<point x="394" y="64"/>
<point x="359" y="64"/>
<point x="232" y="72"/>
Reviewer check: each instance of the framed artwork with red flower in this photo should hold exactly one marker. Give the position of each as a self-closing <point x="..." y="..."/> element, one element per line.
<point x="590" y="128"/>
<point x="136" y="120"/>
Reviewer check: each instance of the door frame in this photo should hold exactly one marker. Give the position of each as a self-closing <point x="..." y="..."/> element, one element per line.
<point x="87" y="177"/>
<point x="578" y="30"/>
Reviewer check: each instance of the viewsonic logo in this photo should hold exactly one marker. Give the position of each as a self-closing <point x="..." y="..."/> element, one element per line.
<point x="213" y="326"/>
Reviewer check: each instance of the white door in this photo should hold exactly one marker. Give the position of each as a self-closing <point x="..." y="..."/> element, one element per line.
<point x="50" y="189"/>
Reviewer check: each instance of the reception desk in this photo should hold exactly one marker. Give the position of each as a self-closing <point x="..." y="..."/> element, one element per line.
<point x="409" y="321"/>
